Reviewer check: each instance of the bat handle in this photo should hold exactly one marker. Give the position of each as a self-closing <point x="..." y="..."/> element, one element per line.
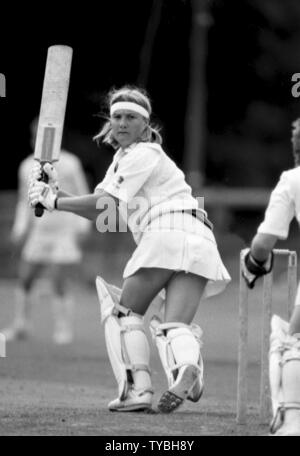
<point x="39" y="208"/>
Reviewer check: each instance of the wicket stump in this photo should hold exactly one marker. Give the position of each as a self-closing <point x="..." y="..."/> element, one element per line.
<point x="264" y="400"/>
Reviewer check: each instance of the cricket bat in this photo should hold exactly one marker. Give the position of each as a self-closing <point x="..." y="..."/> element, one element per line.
<point x="53" y="108"/>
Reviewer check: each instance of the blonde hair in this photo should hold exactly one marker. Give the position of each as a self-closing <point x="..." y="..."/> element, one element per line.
<point x="296" y="141"/>
<point x="135" y="95"/>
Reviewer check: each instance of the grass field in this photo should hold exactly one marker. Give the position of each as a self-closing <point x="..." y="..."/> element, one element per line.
<point x="50" y="390"/>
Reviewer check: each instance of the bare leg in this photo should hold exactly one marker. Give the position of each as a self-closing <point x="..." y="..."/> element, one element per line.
<point x="184" y="367"/>
<point x="62" y="305"/>
<point x="28" y="272"/>
<point x="295" y="321"/>
<point x="138" y="292"/>
<point x="141" y="288"/>
<point x="184" y="292"/>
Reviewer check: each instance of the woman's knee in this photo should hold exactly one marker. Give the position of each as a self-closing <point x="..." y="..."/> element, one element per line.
<point x="186" y="286"/>
<point x="141" y="288"/>
<point x="183" y="296"/>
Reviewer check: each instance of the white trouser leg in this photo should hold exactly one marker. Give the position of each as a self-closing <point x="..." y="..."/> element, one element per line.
<point x="21" y="324"/>
<point x="63" y="307"/>
<point x="23" y="306"/>
<point x="284" y="379"/>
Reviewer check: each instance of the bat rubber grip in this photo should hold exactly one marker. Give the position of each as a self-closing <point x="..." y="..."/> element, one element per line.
<point x="39" y="208"/>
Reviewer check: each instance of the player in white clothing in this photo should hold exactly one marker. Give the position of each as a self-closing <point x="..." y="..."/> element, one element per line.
<point x="283" y="206"/>
<point x="50" y="244"/>
<point x="176" y="251"/>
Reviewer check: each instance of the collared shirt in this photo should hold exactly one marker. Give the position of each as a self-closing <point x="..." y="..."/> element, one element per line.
<point x="146" y="182"/>
<point x="283" y="206"/>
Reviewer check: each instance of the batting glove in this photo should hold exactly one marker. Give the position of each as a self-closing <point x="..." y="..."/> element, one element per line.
<point x="42" y="193"/>
<point x="252" y="269"/>
<point x="36" y="175"/>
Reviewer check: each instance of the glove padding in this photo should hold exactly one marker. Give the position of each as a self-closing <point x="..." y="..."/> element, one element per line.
<point x="252" y="269"/>
<point x="39" y="192"/>
<point x="36" y="174"/>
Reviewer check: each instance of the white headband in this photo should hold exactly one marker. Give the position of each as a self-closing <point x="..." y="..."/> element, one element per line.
<point x="130" y="106"/>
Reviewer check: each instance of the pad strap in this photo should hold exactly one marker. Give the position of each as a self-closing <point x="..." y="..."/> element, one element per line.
<point x="118" y="308"/>
<point x="144" y="391"/>
<point x="166" y="326"/>
<point x="291" y="405"/>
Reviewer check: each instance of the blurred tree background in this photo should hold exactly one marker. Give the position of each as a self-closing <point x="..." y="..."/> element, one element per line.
<point x="254" y="49"/>
<point x="219" y="73"/>
<point x="249" y="51"/>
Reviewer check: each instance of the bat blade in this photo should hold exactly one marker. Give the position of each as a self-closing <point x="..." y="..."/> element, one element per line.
<point x="53" y="107"/>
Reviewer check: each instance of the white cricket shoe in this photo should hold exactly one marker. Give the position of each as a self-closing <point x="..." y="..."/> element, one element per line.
<point x="63" y="333"/>
<point x="134" y="401"/>
<point x="183" y="388"/>
<point x="16" y="332"/>
<point x="288" y="431"/>
<point x="291" y="425"/>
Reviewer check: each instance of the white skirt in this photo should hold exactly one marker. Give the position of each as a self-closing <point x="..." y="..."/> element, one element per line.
<point x="51" y="249"/>
<point x="180" y="242"/>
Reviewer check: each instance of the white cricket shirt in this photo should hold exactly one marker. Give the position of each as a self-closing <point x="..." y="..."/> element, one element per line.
<point x="283" y="206"/>
<point x="147" y="183"/>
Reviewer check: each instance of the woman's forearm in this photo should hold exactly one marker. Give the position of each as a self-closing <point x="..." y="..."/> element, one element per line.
<point x="85" y="205"/>
<point x="262" y="245"/>
<point x="61" y="193"/>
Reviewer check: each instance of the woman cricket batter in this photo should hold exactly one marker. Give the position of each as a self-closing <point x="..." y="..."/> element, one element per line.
<point x="176" y="251"/>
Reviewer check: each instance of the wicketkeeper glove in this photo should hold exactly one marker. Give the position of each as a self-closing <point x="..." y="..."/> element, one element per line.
<point x="42" y="193"/>
<point x="36" y="174"/>
<point x="252" y="269"/>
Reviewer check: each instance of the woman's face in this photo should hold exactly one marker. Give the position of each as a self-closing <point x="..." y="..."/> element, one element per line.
<point x="127" y="127"/>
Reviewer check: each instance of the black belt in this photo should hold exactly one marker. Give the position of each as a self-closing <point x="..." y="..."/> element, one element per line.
<point x="199" y="215"/>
